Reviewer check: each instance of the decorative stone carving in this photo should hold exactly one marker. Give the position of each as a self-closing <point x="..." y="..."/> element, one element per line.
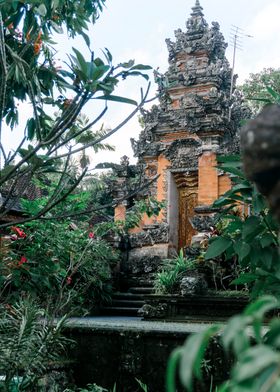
<point x="148" y="311"/>
<point x="193" y="285"/>
<point x="183" y="153"/>
<point x="203" y="222"/>
<point x="143" y="265"/>
<point x="157" y="234"/>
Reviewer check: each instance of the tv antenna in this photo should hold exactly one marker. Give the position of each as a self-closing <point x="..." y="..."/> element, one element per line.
<point x="236" y="40"/>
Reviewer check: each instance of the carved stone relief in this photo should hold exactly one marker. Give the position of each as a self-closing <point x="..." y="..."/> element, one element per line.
<point x="183" y="153"/>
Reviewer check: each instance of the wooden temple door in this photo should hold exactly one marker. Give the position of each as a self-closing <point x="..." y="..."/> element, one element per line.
<point x="187" y="193"/>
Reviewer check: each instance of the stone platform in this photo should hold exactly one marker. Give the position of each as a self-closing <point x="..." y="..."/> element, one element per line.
<point x="109" y="323"/>
<point x="118" y="350"/>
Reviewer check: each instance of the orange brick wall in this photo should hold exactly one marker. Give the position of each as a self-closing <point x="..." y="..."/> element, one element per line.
<point x="120" y="212"/>
<point x="208" y="187"/>
<point x="176" y="104"/>
<point x="162" y="165"/>
<point x="145" y="221"/>
<point x="224" y="184"/>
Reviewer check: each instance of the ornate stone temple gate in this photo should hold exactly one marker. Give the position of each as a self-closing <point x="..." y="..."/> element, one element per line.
<point x="195" y="121"/>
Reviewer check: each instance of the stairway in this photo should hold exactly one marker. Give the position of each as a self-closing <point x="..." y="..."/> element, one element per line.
<point x="127" y="303"/>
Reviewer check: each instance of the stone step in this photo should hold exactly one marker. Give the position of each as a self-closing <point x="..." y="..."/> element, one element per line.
<point x="119" y="311"/>
<point x="127" y="303"/>
<point x="128" y="297"/>
<point x="141" y="290"/>
<point x="140" y="282"/>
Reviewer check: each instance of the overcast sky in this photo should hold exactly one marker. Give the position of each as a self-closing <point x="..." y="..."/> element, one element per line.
<point x="138" y="28"/>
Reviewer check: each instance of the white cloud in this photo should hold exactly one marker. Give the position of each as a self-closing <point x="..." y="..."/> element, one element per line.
<point x="265" y="24"/>
<point x="261" y="51"/>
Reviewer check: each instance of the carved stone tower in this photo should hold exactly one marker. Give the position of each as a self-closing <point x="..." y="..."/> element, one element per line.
<point x="185" y="132"/>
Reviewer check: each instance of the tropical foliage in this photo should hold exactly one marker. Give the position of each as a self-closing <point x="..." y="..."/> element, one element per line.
<point x="149" y="206"/>
<point x="30" y="73"/>
<point x="29" y="342"/>
<point x="255" y="350"/>
<point x="167" y="281"/>
<point x="261" y="88"/>
<point x="247" y="233"/>
<point x="58" y="263"/>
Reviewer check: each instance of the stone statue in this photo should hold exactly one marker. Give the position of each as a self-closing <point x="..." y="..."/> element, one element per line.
<point x="260" y="140"/>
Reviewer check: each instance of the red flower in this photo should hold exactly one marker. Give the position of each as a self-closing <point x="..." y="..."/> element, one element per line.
<point x="68" y="280"/>
<point x="20" y="233"/>
<point x="91" y="235"/>
<point x="23" y="260"/>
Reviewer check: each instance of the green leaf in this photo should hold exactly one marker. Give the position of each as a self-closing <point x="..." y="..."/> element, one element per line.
<point x="192" y="355"/>
<point x="17" y="58"/>
<point x="235" y="333"/>
<point x="225" y="387"/>
<point x="265" y="257"/>
<point x="254" y="361"/>
<point x="142" y="385"/>
<point x="6" y="170"/>
<point x="55" y="4"/>
<point x="108" y="55"/>
<point x="86" y="38"/>
<point x="229" y="158"/>
<point x="271" y="222"/>
<point x="240" y="187"/>
<point x="116" y="98"/>
<point x="171" y="371"/>
<point x="272" y="337"/>
<point x="136" y="73"/>
<point x="97" y="72"/>
<point x="252" y="225"/>
<point x="42" y="10"/>
<point x="128" y="64"/>
<point x="244" y="278"/>
<point x="258" y="203"/>
<point x="31" y="128"/>
<point x="233" y="170"/>
<point x="242" y="249"/>
<point x="265" y="100"/>
<point x="217" y="247"/>
<point x="273" y="93"/>
<point x="222" y="201"/>
<point x="258" y="308"/>
<point x="23" y="151"/>
<point x="141" y="67"/>
<point x="58" y="29"/>
<point x="266" y="240"/>
<point x="234" y="226"/>
<point x="81" y="61"/>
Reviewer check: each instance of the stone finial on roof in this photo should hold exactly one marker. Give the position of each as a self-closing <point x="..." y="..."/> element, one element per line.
<point x="197" y="9"/>
<point x="196" y="23"/>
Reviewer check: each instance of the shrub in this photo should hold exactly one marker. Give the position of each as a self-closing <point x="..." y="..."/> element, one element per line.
<point x="59" y="263"/>
<point x="167" y="281"/>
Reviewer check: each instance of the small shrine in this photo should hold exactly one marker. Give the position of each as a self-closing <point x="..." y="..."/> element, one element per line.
<point x="196" y="120"/>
